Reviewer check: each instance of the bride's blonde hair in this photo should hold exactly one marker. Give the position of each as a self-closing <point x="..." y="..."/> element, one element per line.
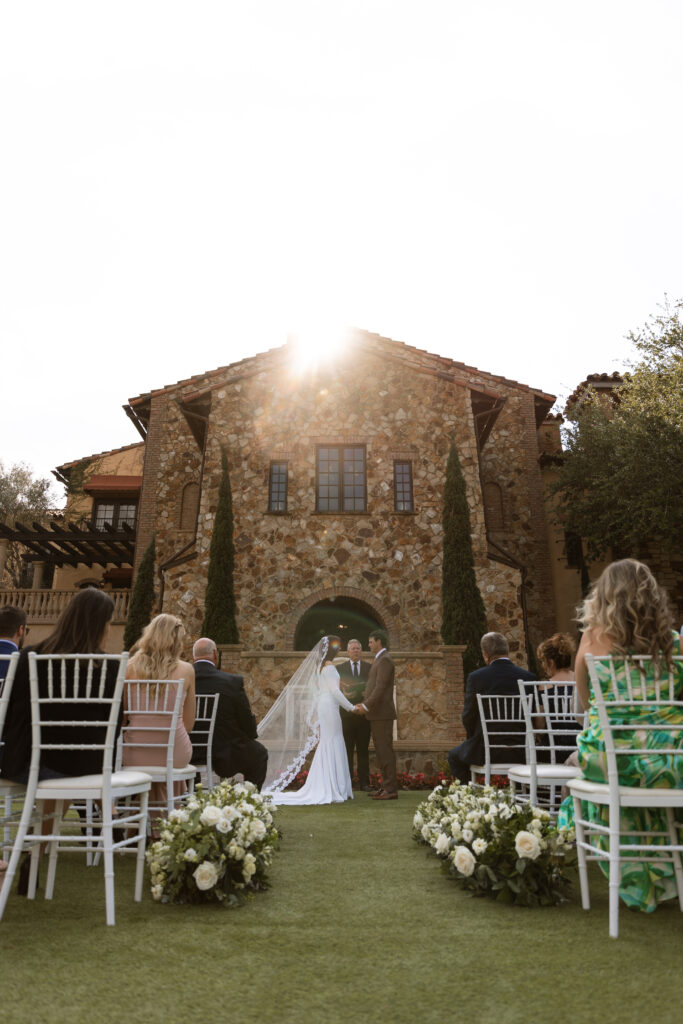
<point x="158" y="649"/>
<point x="628" y="604"/>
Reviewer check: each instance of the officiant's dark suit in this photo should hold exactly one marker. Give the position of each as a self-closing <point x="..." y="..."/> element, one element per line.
<point x="356" y="728"/>
<point x="499" y="676"/>
<point x="235" y="747"/>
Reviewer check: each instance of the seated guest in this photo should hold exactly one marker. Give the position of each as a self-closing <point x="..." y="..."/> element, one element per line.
<point x="82" y="628"/>
<point x="627" y="612"/>
<point x="13" y="632"/>
<point x="555" y="658"/>
<point x="235" y="747"/>
<point x="498" y="677"/>
<point x="157" y="656"/>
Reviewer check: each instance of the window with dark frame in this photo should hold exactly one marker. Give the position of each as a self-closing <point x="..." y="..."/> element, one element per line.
<point x="277" y="487"/>
<point x="341" y="485"/>
<point x="403" y="485"/>
<point x="114" y="513"/>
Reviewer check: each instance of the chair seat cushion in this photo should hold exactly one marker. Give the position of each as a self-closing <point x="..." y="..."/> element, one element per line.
<point x="159" y="771"/>
<point x="119" y="780"/>
<point x="629" y="796"/>
<point x="544" y="772"/>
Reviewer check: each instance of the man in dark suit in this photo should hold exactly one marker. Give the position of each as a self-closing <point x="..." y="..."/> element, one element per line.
<point x="499" y="676"/>
<point x="356" y="728"/>
<point x="13" y="631"/>
<point x="235" y="747"/>
<point x="380" y="710"/>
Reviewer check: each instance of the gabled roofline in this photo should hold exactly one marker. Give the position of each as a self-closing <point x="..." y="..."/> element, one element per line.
<point x="62" y="472"/>
<point x="449" y="369"/>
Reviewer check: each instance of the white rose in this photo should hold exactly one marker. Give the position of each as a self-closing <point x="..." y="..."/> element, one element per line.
<point x="178" y="815"/>
<point x="442" y="844"/>
<point x="425" y="832"/>
<point x="235" y="851"/>
<point x="464" y="861"/>
<point x="536" y="812"/>
<point x="157" y="892"/>
<point x="456" y="831"/>
<point x="418" y="820"/>
<point x="205" y="875"/>
<point x="192" y="805"/>
<point x="506" y="813"/>
<point x="527" y="845"/>
<point x="190" y="854"/>
<point x="210" y="816"/>
<point x="468" y="835"/>
<point x="223" y="826"/>
<point x="257" y="829"/>
<point x="479" y="846"/>
<point x="167" y="836"/>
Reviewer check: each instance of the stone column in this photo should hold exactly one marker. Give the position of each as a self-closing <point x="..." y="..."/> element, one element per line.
<point x="230" y="657"/>
<point x="4" y="550"/>
<point x="38" y="571"/>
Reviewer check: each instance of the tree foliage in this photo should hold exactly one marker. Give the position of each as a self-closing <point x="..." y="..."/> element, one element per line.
<point x="464" y="617"/>
<point x="619" y="484"/>
<point x="220" y="621"/>
<point x="142" y="598"/>
<point x="23" y="499"/>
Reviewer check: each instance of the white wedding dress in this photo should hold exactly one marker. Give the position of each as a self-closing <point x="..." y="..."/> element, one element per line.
<point x="328" y="780"/>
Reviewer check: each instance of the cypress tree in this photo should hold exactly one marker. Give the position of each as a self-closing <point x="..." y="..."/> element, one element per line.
<point x="219" y="603"/>
<point x="464" y="617"/>
<point x="142" y="598"/>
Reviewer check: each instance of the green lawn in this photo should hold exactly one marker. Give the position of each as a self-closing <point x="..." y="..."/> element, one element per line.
<point x="360" y="925"/>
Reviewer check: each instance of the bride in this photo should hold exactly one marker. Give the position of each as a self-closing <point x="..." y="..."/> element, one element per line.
<point x="305" y="714"/>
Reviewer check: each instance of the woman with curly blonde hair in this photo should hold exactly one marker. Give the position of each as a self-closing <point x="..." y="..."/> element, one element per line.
<point x="157" y="656"/>
<point x="627" y="612"/>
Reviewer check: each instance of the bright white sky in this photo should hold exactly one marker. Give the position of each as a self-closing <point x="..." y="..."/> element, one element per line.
<point x="185" y="184"/>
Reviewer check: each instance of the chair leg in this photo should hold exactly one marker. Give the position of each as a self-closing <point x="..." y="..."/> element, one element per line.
<point x="581" y="855"/>
<point x="17" y="850"/>
<point x="614" y="872"/>
<point x="54" y="850"/>
<point x="108" y="853"/>
<point x="142" y="835"/>
<point x="675" y="840"/>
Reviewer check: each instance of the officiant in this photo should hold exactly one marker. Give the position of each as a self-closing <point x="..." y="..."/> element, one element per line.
<point x="353" y="675"/>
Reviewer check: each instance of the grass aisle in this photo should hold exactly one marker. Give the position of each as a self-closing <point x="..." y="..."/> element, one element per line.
<point x="360" y="925"/>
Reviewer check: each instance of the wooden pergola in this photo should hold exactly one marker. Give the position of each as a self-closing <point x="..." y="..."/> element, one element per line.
<point x="72" y="545"/>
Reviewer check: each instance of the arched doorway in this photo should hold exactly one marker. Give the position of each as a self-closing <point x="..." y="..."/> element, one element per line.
<point x="346" y="617"/>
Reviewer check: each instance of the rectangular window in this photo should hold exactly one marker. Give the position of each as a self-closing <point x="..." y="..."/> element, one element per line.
<point x="114" y="513"/>
<point x="341" y="479"/>
<point x="277" y="487"/>
<point x="403" y="486"/>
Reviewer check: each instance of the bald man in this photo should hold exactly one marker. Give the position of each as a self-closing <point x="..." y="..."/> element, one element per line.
<point x="235" y="747"/>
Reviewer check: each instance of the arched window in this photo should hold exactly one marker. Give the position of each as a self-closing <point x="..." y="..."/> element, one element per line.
<point x="493" y="506"/>
<point x="189" y="506"/>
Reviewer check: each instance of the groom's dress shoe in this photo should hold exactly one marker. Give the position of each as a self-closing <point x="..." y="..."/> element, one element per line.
<point x="374" y="792"/>
<point x="385" y="796"/>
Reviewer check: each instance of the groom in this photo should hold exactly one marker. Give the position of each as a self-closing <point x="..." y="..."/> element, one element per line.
<point x="378" y="707"/>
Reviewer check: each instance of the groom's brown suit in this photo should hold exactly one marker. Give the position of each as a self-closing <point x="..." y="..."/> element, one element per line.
<point x="381" y="713"/>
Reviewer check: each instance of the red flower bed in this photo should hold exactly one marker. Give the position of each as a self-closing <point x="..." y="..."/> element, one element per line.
<point x="407" y="781"/>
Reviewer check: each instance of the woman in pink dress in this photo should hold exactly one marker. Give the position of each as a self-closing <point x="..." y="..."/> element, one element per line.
<point x="157" y="656"/>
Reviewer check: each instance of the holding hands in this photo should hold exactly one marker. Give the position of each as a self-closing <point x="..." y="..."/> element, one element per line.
<point x="359" y="709"/>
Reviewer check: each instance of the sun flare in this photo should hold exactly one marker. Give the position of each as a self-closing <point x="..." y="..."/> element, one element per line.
<point x="315" y="343"/>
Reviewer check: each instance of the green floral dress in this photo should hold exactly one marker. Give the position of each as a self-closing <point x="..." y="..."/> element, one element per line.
<point x="644" y="884"/>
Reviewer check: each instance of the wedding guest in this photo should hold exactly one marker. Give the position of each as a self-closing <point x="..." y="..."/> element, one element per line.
<point x="82" y="628"/>
<point x="158" y="657"/>
<point x="555" y="656"/>
<point x="13" y="632"/>
<point x="235" y="746"/>
<point x="627" y="612"/>
<point x="499" y="676"/>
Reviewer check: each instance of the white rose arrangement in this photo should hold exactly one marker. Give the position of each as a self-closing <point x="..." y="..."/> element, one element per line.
<point x="494" y="847"/>
<point x="216" y="848"/>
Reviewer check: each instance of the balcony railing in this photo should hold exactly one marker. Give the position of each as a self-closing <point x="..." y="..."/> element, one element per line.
<point x="46" y="605"/>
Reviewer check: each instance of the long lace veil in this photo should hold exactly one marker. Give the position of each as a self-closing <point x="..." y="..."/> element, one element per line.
<point x="291" y="728"/>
